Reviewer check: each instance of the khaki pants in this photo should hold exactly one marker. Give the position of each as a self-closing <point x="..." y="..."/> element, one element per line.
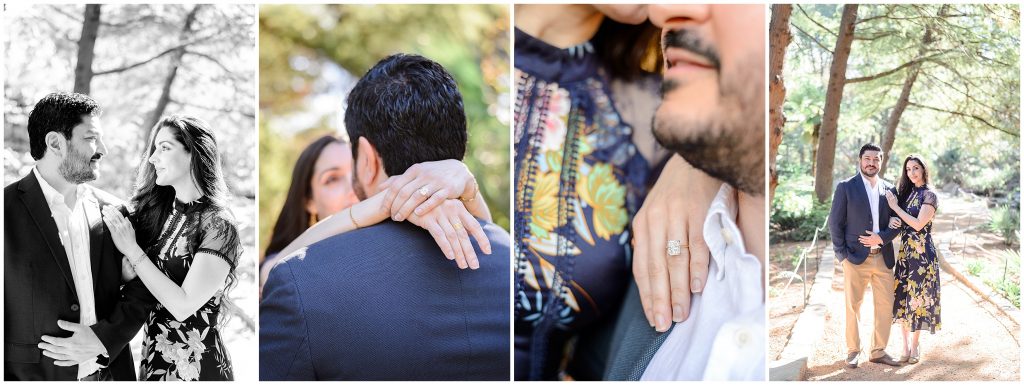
<point x="856" y="279"/>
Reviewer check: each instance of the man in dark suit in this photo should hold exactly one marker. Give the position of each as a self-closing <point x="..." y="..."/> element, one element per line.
<point x="382" y="302"/>
<point x="859" y="226"/>
<point x="66" y="314"/>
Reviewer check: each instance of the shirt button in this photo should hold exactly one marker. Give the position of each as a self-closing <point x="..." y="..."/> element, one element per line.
<point x="74" y="307"/>
<point x="742" y="338"/>
<point x="726" y="235"/>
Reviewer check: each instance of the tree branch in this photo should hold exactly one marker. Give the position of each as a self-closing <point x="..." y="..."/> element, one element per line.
<point x="815" y="40"/>
<point x="967" y="115"/>
<point x="157" y="56"/>
<point x="815" y="21"/>
<point x="894" y="70"/>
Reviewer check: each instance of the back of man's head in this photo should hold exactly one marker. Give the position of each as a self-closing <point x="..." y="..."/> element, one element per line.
<point x="410" y="109"/>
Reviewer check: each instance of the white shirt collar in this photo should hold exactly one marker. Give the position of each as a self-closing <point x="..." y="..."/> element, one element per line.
<point x="867" y="183"/>
<point x="51" y="194"/>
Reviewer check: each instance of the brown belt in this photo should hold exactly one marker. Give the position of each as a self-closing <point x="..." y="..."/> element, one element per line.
<point x="874" y="251"/>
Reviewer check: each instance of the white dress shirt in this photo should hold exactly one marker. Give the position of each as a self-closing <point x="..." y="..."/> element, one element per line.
<point x="724" y="336"/>
<point x="73" y="228"/>
<point x="873" y="195"/>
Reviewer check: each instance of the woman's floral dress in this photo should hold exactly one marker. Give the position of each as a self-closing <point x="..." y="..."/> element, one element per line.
<point x="917" y="270"/>
<point x="579" y="180"/>
<point x="192" y="349"/>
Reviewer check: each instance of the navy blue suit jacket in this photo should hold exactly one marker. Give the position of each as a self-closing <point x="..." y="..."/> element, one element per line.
<point x="851" y="217"/>
<point x="383" y="303"/>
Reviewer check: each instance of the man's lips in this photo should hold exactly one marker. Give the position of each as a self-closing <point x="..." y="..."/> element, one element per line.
<point x="681" y="61"/>
<point x="679" y="56"/>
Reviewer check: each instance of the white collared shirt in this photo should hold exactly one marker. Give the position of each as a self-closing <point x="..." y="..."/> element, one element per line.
<point x="724" y="336"/>
<point x="873" y="194"/>
<point x="73" y="228"/>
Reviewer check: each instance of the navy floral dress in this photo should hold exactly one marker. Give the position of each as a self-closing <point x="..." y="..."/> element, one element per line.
<point x="192" y="349"/>
<point x="579" y="180"/>
<point x="917" y="270"/>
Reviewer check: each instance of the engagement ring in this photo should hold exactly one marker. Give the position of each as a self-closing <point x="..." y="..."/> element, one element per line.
<point x="675" y="247"/>
<point x="457" y="226"/>
<point x="424" y="191"/>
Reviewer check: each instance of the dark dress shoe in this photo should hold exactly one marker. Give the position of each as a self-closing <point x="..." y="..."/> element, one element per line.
<point x="885" y="359"/>
<point x="851" y="360"/>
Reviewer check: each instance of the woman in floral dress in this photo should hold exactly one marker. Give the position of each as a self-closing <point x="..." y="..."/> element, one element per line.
<point x="583" y="159"/>
<point x="188" y="254"/>
<point x="916" y="306"/>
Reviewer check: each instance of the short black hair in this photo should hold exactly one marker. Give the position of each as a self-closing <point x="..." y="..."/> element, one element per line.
<point x="57" y="112"/>
<point x="868" y="147"/>
<point x="410" y="109"/>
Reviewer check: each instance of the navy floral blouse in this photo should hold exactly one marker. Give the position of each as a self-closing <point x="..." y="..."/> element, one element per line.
<point x="191" y="349"/>
<point x="579" y="180"/>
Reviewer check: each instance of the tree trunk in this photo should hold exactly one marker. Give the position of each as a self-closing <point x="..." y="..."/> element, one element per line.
<point x="889" y="136"/>
<point x="778" y="38"/>
<point x="833" y="97"/>
<point x="175" y="63"/>
<point x="86" y="49"/>
<point x="815" y="134"/>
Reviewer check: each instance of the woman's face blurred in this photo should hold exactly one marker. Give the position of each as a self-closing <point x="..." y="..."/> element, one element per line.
<point x="332" y="182"/>
<point x="624" y="13"/>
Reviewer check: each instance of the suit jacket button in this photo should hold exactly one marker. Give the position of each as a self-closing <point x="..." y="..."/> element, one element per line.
<point x="74" y="307"/>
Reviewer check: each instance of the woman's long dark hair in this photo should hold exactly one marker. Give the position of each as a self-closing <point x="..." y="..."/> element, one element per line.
<point x="294" y="219"/>
<point x="905" y="186"/>
<point x="628" y="51"/>
<point x="153" y="203"/>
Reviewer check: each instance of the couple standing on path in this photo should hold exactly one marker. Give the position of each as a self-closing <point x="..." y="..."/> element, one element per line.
<point x="910" y="296"/>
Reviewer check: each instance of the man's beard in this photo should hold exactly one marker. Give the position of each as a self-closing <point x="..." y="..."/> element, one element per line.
<point x="76" y="166"/>
<point x="865" y="173"/>
<point x="729" y="144"/>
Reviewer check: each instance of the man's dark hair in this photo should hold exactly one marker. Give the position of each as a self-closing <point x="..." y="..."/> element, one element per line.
<point x="410" y="109"/>
<point x="57" y="112"/>
<point x="868" y="147"/>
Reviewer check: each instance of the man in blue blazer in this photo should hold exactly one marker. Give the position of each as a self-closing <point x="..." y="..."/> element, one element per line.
<point x="383" y="302"/>
<point x="861" y="236"/>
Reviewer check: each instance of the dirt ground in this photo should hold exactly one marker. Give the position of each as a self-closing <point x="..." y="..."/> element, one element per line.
<point x="785" y="306"/>
<point x="976" y="342"/>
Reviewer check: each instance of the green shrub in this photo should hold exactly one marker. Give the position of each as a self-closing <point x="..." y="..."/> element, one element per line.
<point x="975" y="268"/>
<point x="1005" y="222"/>
<point x="794" y="213"/>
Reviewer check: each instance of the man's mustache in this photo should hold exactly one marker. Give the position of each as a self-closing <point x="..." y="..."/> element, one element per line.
<point x="690" y="41"/>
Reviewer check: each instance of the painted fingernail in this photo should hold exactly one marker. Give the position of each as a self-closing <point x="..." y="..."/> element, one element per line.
<point x="398" y="217"/>
<point x="695" y="285"/>
<point x="661" y="324"/>
<point x="474" y="265"/>
<point x="419" y="211"/>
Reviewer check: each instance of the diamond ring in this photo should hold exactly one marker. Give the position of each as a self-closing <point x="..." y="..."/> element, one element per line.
<point x="675" y="247"/>
<point x="424" y="191"/>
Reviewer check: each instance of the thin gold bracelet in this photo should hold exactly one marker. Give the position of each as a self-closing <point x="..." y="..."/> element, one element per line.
<point x="353" y="218"/>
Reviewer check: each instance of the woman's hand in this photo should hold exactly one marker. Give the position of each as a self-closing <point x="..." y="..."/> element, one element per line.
<point x="895" y="223"/>
<point x="893" y="202"/>
<point x="122" y="232"/>
<point x="127" y="271"/>
<point x="451" y="225"/>
<point x="426" y="185"/>
<point x="675" y="209"/>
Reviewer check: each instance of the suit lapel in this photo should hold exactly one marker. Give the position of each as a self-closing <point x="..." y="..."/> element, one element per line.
<point x="96" y="232"/>
<point x="33" y="199"/>
<point x="862" y="190"/>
